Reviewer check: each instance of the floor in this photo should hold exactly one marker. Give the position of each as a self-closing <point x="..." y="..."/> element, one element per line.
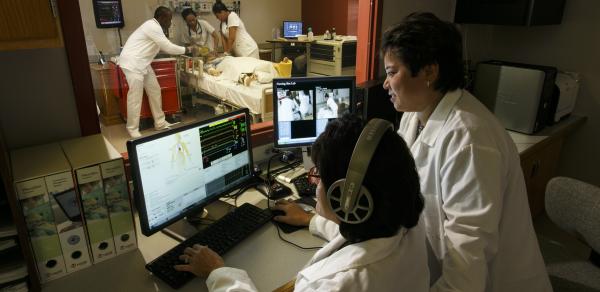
<point x="118" y="136"/>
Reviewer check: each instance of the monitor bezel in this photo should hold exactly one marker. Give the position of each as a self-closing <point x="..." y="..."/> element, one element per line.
<point x="304" y="79"/>
<point x="99" y="24"/>
<point x="135" y="174"/>
<point x="283" y="28"/>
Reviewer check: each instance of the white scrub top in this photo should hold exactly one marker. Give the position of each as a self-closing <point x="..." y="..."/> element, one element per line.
<point x="396" y="263"/>
<point x="144" y="44"/>
<point x="201" y="35"/>
<point x="244" y="45"/>
<point x="286" y="110"/>
<point x="476" y="213"/>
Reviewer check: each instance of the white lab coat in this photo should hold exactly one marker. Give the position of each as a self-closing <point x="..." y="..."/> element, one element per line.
<point x="476" y="214"/>
<point x="201" y="35"/>
<point x="135" y="59"/>
<point x="396" y="263"/>
<point x="244" y="45"/>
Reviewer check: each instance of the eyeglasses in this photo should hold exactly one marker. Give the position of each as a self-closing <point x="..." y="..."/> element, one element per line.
<point x="313" y="175"/>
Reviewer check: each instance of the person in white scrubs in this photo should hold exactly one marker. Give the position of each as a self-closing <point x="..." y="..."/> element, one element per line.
<point x="477" y="219"/>
<point x="287" y="109"/>
<point x="236" y="39"/>
<point x="306" y="108"/>
<point x="387" y="252"/>
<point x="135" y="59"/>
<point x="199" y="32"/>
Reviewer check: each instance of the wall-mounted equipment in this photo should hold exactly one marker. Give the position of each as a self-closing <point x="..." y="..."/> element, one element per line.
<point x="509" y="12"/>
<point x="108" y="13"/>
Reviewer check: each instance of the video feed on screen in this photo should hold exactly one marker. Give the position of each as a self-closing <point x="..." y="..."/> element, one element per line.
<point x="304" y="106"/>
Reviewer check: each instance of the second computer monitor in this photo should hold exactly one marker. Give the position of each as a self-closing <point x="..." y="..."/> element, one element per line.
<point x="291" y="29"/>
<point x="303" y="106"/>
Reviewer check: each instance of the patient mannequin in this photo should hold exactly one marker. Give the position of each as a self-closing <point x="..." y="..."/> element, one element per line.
<point x="387" y="252"/>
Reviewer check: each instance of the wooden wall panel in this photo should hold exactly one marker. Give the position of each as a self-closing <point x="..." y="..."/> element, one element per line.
<point x="26" y="19"/>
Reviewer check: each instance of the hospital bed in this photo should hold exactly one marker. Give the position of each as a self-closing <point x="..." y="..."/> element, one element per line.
<point x="258" y="97"/>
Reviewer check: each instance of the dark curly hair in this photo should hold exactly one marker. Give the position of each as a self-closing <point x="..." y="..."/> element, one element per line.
<point x="422" y="39"/>
<point x="391" y="178"/>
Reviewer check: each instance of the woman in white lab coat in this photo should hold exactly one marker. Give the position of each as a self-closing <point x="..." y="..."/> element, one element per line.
<point x="199" y="32"/>
<point x="387" y="252"/>
<point x="476" y="217"/>
<point x="236" y="39"/>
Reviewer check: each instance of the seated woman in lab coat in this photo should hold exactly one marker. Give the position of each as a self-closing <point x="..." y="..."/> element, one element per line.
<point x="387" y="252"/>
<point x="199" y="32"/>
<point x="476" y="212"/>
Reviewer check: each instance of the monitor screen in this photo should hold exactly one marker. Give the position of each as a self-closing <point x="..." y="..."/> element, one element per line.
<point x="108" y="13"/>
<point x="291" y="29"/>
<point x="177" y="172"/>
<point x="304" y="105"/>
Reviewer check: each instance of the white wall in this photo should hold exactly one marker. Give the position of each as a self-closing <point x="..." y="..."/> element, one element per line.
<point x="395" y="10"/>
<point x="572" y="46"/>
<point x="259" y="17"/>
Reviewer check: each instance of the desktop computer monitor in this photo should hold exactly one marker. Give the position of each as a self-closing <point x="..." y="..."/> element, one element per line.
<point x="302" y="107"/>
<point x="292" y="29"/>
<point x="179" y="171"/>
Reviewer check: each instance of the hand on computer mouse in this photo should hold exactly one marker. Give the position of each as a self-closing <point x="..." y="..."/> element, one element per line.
<point x="294" y="214"/>
<point x="200" y="260"/>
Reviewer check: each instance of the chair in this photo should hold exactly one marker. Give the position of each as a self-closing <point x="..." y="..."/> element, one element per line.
<point x="575" y="207"/>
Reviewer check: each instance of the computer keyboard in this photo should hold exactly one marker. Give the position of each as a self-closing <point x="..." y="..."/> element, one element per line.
<point x="304" y="187"/>
<point x="220" y="236"/>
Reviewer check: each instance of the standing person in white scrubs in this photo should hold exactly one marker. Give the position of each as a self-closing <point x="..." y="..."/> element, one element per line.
<point x="477" y="219"/>
<point x="236" y="39"/>
<point x="305" y="104"/>
<point x="387" y="252"/>
<point x="199" y="32"/>
<point x="135" y="59"/>
<point x="287" y="109"/>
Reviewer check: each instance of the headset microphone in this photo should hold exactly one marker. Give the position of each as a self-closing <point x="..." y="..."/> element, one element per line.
<point x="353" y="203"/>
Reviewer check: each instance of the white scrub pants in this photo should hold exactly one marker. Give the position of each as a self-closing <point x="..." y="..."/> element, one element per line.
<point x="137" y="83"/>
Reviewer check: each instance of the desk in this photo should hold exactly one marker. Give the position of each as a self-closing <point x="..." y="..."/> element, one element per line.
<point x="269" y="261"/>
<point x="539" y="158"/>
<point x="287" y="42"/>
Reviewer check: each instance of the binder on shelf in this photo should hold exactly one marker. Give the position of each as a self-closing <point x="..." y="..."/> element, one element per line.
<point x="30" y="168"/>
<point x="42" y="231"/>
<point x="68" y="219"/>
<point x="119" y="205"/>
<point x="93" y="203"/>
<point x="87" y="155"/>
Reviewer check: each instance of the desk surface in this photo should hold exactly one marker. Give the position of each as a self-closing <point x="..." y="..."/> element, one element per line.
<point x="269" y="261"/>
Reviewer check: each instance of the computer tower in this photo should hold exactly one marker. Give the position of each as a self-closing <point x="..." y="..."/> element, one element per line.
<point x="373" y="101"/>
<point x="521" y="96"/>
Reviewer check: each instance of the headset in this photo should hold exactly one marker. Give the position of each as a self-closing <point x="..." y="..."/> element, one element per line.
<point x="353" y="203"/>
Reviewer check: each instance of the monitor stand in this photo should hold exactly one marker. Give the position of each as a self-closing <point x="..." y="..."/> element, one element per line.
<point x="189" y="226"/>
<point x="186" y="227"/>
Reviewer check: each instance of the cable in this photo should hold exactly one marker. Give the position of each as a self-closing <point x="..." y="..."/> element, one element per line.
<point x="269" y="207"/>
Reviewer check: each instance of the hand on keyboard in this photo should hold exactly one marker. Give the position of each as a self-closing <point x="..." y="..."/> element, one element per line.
<point x="199" y="260"/>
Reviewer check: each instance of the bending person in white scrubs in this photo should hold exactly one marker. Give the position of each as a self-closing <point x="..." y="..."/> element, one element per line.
<point x="236" y="39"/>
<point x="199" y="32"/>
<point x="135" y="59"/>
<point x="387" y="252"/>
<point x="477" y="219"/>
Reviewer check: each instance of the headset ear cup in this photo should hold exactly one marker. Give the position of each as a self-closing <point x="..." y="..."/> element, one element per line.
<point x="334" y="196"/>
<point x="360" y="212"/>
